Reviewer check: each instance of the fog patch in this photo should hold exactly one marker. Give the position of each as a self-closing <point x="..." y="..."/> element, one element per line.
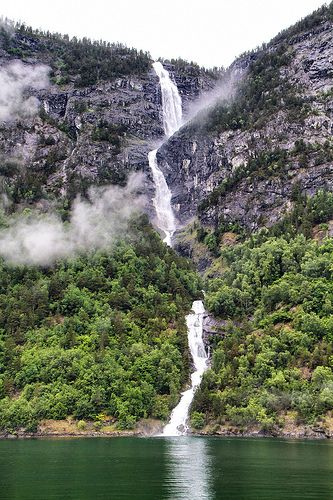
<point x="15" y="79"/>
<point x="8" y="25"/>
<point x="224" y="92"/>
<point x="34" y="239"/>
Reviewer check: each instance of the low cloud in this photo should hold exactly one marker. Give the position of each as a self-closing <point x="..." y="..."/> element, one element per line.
<point x="15" y="79"/>
<point x="8" y="25"/>
<point x="224" y="92"/>
<point x="40" y="240"/>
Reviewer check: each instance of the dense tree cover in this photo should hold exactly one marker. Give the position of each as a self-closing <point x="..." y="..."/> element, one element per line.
<point x="85" y="60"/>
<point x="192" y="68"/>
<point x="307" y="212"/>
<point x="261" y="265"/>
<point x="276" y="354"/>
<point x="99" y="333"/>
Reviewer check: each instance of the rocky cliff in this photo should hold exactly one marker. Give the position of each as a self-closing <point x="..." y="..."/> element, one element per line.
<point x="266" y="126"/>
<point x="244" y="171"/>
<point x="81" y="135"/>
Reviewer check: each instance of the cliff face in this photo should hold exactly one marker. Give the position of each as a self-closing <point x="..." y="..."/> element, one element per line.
<point x="196" y="161"/>
<point x="97" y="134"/>
<point x="81" y="134"/>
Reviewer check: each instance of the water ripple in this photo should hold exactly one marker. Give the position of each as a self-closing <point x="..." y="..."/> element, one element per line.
<point x="188" y="469"/>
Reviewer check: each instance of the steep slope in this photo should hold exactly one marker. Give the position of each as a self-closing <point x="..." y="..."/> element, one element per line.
<point x="101" y="335"/>
<point x="265" y="161"/>
<point x="242" y="156"/>
<point x="96" y="335"/>
<point x="94" y="316"/>
<point x="97" y="116"/>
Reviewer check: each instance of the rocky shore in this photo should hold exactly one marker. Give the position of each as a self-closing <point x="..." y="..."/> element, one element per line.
<point x="288" y="428"/>
<point x="73" y="428"/>
<point x="147" y="428"/>
<point x="304" y="432"/>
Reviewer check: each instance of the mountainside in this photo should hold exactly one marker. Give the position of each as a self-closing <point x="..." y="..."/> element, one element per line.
<point x="241" y="158"/>
<point x="97" y="118"/>
<point x="272" y="364"/>
<point x="93" y="303"/>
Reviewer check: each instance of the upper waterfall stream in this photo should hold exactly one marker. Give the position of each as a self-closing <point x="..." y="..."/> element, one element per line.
<point x="171" y="101"/>
<point x="172" y="120"/>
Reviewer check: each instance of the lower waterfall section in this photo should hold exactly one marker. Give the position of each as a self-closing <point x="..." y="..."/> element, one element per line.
<point x="177" y="425"/>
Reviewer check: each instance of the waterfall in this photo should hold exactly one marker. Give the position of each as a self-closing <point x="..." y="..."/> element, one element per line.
<point x="171" y="101"/>
<point x="177" y="425"/>
<point x="162" y="200"/>
<point x="172" y="115"/>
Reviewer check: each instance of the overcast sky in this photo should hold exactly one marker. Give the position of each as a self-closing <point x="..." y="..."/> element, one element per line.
<point x="209" y="32"/>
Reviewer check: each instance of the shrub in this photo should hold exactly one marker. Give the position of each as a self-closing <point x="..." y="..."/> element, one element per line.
<point x="197" y="420"/>
<point x="31" y="428"/>
<point x="81" y="425"/>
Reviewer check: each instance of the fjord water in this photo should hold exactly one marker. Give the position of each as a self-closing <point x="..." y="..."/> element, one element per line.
<point x="174" y="468"/>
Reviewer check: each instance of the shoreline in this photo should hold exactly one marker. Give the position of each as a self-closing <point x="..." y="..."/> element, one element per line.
<point x="44" y="435"/>
<point x="70" y="428"/>
<point x="309" y="433"/>
<point x="38" y="435"/>
<point x="153" y="428"/>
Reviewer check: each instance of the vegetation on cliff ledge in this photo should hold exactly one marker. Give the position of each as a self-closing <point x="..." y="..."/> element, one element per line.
<point x="85" y="61"/>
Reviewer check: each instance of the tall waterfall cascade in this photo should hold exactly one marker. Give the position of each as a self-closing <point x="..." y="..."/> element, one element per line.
<point x="177" y="425"/>
<point x="172" y="120"/>
<point x="171" y="101"/>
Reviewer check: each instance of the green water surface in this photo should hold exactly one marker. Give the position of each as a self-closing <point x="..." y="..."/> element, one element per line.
<point x="165" y="468"/>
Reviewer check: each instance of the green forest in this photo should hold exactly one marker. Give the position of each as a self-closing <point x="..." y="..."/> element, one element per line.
<point x="275" y="355"/>
<point x="272" y="363"/>
<point x="85" y="61"/>
<point x="102" y="333"/>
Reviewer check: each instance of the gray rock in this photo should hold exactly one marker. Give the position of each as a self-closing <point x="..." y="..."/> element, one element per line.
<point x="195" y="163"/>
